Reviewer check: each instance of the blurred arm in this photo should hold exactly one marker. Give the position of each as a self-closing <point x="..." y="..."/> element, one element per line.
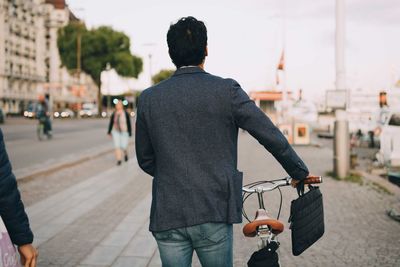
<point x="110" y="124"/>
<point x="11" y="207"/>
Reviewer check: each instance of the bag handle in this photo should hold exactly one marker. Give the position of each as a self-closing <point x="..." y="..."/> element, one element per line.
<point x="300" y="188"/>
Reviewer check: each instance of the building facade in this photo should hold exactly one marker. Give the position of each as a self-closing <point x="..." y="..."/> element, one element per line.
<point x="30" y="64"/>
<point x="22" y="64"/>
<point x="66" y="89"/>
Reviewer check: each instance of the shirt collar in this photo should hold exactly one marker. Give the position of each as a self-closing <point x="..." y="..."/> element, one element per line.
<point x="188" y="69"/>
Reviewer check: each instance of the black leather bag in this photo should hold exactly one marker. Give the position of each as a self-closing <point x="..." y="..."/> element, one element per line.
<point x="306" y="219"/>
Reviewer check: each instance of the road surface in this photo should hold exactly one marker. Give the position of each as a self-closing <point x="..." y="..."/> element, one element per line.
<point x="71" y="137"/>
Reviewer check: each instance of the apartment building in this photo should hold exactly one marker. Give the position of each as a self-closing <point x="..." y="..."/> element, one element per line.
<point x="66" y="88"/>
<point x="29" y="60"/>
<point x="22" y="65"/>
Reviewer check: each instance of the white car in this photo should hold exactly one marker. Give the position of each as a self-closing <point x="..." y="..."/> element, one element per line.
<point x="66" y="113"/>
<point x="389" y="153"/>
<point x="89" y="110"/>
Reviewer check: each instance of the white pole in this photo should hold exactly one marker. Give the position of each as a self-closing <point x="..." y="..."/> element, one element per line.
<point x="341" y="160"/>
<point x="284" y="88"/>
<point x="150" y="69"/>
<point x="340" y="45"/>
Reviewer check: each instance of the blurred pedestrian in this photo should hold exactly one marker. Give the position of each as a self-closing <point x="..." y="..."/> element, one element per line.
<point x="371" y="132"/>
<point x="120" y="129"/>
<point x="43" y="115"/>
<point x="12" y="211"/>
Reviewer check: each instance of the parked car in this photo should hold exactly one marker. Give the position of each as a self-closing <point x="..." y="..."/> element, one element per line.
<point x="30" y="111"/>
<point x="89" y="110"/>
<point x="389" y="153"/>
<point x="66" y="113"/>
<point x="1" y="116"/>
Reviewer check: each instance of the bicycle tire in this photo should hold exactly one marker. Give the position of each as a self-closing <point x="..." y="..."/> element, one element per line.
<point x="40" y="132"/>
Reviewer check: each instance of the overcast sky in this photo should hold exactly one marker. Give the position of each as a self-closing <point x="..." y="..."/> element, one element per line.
<point x="245" y="38"/>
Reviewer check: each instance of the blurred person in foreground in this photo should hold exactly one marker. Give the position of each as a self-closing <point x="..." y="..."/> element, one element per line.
<point x="12" y="211"/>
<point x="186" y="138"/>
<point x="120" y="129"/>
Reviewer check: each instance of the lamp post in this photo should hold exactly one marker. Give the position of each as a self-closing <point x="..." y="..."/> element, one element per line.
<point x="150" y="55"/>
<point x="341" y="159"/>
<point x="81" y="24"/>
<point x="150" y="70"/>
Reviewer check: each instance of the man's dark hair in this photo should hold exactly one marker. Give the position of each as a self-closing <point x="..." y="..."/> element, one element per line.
<point x="187" y="42"/>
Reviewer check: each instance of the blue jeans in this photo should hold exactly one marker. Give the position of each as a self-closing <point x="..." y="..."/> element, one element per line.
<point x="212" y="242"/>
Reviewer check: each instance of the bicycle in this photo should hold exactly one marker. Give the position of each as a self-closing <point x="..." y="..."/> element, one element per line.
<point x="41" y="129"/>
<point x="263" y="226"/>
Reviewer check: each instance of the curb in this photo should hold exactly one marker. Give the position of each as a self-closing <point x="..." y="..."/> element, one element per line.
<point x="392" y="188"/>
<point x="29" y="173"/>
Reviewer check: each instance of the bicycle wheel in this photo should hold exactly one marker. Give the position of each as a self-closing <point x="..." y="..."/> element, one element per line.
<point x="40" y="131"/>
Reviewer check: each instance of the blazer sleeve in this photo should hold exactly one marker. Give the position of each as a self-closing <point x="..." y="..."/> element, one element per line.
<point x="11" y="207"/>
<point x="250" y="118"/>
<point x="144" y="148"/>
<point x="111" y="123"/>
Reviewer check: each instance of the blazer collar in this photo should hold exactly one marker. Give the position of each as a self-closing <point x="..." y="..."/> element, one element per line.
<point x="190" y="69"/>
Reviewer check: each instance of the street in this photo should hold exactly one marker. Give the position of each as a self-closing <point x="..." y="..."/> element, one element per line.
<point x="70" y="137"/>
<point x="96" y="214"/>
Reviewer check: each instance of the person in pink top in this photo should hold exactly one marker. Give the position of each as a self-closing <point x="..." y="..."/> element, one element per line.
<point x="120" y="129"/>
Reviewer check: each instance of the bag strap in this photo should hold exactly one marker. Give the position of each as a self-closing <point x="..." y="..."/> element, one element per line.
<point x="300" y="188"/>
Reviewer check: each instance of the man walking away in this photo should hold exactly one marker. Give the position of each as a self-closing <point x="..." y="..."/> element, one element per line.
<point x="186" y="138"/>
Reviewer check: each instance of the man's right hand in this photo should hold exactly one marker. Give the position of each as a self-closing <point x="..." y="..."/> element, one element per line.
<point x="294" y="183"/>
<point x="28" y="255"/>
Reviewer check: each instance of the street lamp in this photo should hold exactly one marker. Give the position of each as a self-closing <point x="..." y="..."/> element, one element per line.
<point x="150" y="70"/>
<point x="80" y="23"/>
<point x="150" y="61"/>
<point x="341" y="160"/>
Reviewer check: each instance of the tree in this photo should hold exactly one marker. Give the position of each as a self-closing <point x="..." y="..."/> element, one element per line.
<point x="162" y="75"/>
<point x="99" y="46"/>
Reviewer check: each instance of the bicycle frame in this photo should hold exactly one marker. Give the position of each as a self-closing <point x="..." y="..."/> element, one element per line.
<point x="265" y="232"/>
<point x="261" y="189"/>
<point x="42" y="131"/>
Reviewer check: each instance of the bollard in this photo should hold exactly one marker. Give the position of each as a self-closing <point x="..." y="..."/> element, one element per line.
<point x="341" y="147"/>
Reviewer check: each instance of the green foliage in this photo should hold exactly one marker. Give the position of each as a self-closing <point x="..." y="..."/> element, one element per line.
<point x="99" y="46"/>
<point x="162" y="75"/>
<point x="353" y="177"/>
<point x="381" y="188"/>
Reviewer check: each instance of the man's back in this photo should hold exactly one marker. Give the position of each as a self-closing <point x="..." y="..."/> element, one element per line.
<point x="186" y="138"/>
<point x="192" y="131"/>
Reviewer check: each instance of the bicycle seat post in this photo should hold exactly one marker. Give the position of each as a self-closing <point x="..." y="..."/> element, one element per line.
<point x="259" y="191"/>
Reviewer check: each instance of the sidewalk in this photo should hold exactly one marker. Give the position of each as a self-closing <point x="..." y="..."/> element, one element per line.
<point x="103" y="221"/>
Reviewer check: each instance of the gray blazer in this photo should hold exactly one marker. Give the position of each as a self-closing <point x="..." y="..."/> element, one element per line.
<point x="186" y="138"/>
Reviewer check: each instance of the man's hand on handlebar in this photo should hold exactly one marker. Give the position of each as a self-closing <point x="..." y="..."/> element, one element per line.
<point x="311" y="177"/>
<point x="294" y="183"/>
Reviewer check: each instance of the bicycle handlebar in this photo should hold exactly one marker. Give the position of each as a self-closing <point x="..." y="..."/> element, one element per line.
<point x="313" y="180"/>
<point x="284" y="182"/>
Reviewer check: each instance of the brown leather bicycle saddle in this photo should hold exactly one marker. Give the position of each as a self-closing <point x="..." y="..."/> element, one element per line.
<point x="262" y="218"/>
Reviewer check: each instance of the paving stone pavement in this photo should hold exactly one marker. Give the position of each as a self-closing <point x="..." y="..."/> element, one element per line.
<point x="103" y="220"/>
